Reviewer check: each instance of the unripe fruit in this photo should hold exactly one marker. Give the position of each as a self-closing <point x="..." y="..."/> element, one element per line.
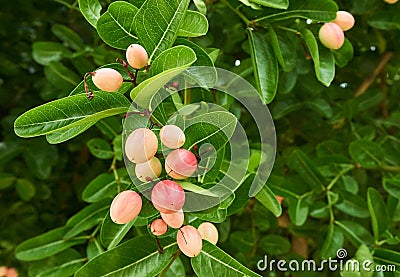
<point x="331" y="36"/>
<point x="390" y="1"/>
<point x="3" y="271"/>
<point x="141" y="145"/>
<point x="149" y="170"/>
<point x="125" y="207"/>
<point x="136" y="56"/>
<point x="180" y="164"/>
<point x="174" y="220"/>
<point x="345" y="20"/>
<point x="158" y="227"/>
<point x="168" y="197"/>
<point x="107" y="79"/>
<point x="189" y="241"/>
<point x="172" y="136"/>
<point x="208" y="232"/>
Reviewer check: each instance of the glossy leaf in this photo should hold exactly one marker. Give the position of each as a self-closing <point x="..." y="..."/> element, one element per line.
<point x="69" y="112"/>
<point x="277" y="4"/>
<point x="392" y="186"/>
<point x="366" y="153"/>
<point x="212" y="261"/>
<point x="194" y="24"/>
<point x="265" y="66"/>
<point x="103" y="186"/>
<point x="268" y="199"/>
<point x="353" y="205"/>
<point x="157" y="24"/>
<point x="333" y="241"/>
<point x="111" y="234"/>
<point x="45" y="245"/>
<point x="115" y="26"/>
<point x="62" y="136"/>
<point x="283" y="50"/>
<point x="355" y="233"/>
<point x="378" y="211"/>
<point x="344" y="54"/>
<point x="90" y="10"/>
<point x="45" y="52"/>
<point x="387" y="257"/>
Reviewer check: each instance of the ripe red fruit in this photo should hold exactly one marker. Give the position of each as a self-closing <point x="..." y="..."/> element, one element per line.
<point x="136" y="56"/>
<point x="345" y="20"/>
<point x="158" y="227"/>
<point x="174" y="220"/>
<point x="172" y="136"/>
<point x="168" y="197"/>
<point x="180" y="164"/>
<point x="149" y="170"/>
<point x="107" y="79"/>
<point x="141" y="145"/>
<point x="209" y="232"/>
<point x="189" y="241"/>
<point x="331" y="36"/>
<point x="125" y="207"/>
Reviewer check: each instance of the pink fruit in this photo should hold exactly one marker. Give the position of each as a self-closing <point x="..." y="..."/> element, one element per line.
<point x="136" y="56"/>
<point x="180" y="164"/>
<point x="189" y="241"/>
<point x="158" y="227"/>
<point x="174" y="220"/>
<point x="345" y="20"/>
<point x="3" y="271"/>
<point x="125" y="207"/>
<point x="172" y="136"/>
<point x="141" y="145"/>
<point x="208" y="232"/>
<point x="12" y="272"/>
<point x="390" y="1"/>
<point x="168" y="197"/>
<point x="331" y="36"/>
<point x="149" y="170"/>
<point x="280" y="199"/>
<point x="107" y="79"/>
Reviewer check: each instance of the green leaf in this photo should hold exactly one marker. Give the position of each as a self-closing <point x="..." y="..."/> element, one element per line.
<point x="100" y="148"/>
<point x="45" y="245"/>
<point x="157" y="24"/>
<point x="265" y="66"/>
<point x="25" y="189"/>
<point x="116" y="27"/>
<point x="353" y="205"/>
<point x="90" y="10"/>
<point x="61" y="136"/>
<point x="324" y="63"/>
<point x="69" y="112"/>
<point x="378" y="211"/>
<point x="268" y="199"/>
<point x="318" y="10"/>
<point x="355" y="233"/>
<point x="174" y="57"/>
<point x="367" y="153"/>
<point x="103" y="186"/>
<point x="385" y="20"/>
<point x="6" y="180"/>
<point x="387" y="257"/>
<point x="45" y="52"/>
<point x="298" y="210"/>
<point x="344" y="54"/>
<point x="63" y="264"/>
<point x="275" y="245"/>
<point x="333" y="241"/>
<point x="194" y="24"/>
<point x="68" y="36"/>
<point x="87" y="218"/>
<point x="111" y="234"/>
<point x="177" y="269"/>
<point x="392" y="186"/>
<point x="277" y="4"/>
<point x="212" y="261"/>
<point x="283" y="50"/>
<point x="201" y="6"/>
<point x="94" y="248"/>
<point x="136" y="257"/>
<point x="61" y="76"/>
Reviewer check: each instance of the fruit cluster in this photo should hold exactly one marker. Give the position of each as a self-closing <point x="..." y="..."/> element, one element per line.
<point x="8" y="272"/>
<point x="167" y="196"/>
<point x="331" y="34"/>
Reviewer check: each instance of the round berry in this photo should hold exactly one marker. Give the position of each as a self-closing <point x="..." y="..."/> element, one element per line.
<point x="149" y="170"/>
<point x="136" y="56"/>
<point x="172" y="136"/>
<point x="174" y="220"/>
<point x="141" y="145"/>
<point x="11" y="272"/>
<point x="168" y="197"/>
<point x="125" y="207"/>
<point x="391" y="1"/>
<point x="189" y="241"/>
<point x="180" y="164"/>
<point x="331" y="36"/>
<point x="107" y="79"/>
<point x="345" y="20"/>
<point x="208" y="232"/>
<point x="158" y="227"/>
<point x="3" y="271"/>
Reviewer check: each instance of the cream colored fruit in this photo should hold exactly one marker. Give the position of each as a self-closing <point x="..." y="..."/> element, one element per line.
<point x="180" y="164"/>
<point x="189" y="241"/>
<point x="174" y="220"/>
<point x="172" y="136"/>
<point x="136" y="56"/>
<point x="125" y="207"/>
<point x="107" y="79"/>
<point x="391" y="1"/>
<point x="168" y="197"/>
<point x="3" y="271"/>
<point x="141" y="145"/>
<point x="344" y="20"/>
<point x="331" y="36"/>
<point x="149" y="170"/>
<point x="208" y="232"/>
<point x="158" y="227"/>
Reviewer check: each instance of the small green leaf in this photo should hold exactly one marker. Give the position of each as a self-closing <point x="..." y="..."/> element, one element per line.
<point x="333" y="241"/>
<point x="90" y="10"/>
<point x="68" y="36"/>
<point x="367" y="153"/>
<point x="355" y="233"/>
<point x="100" y="148"/>
<point x="201" y="6"/>
<point x="277" y="4"/>
<point x="268" y="199"/>
<point x="275" y="245"/>
<point x="392" y="186"/>
<point x="344" y="54"/>
<point x="298" y="210"/>
<point x="387" y="257"/>
<point x="25" y="189"/>
<point x="283" y="50"/>
<point x="194" y="24"/>
<point x="378" y="211"/>
<point x="385" y="20"/>
<point x="6" y="180"/>
<point x="353" y="205"/>
<point x="45" y="52"/>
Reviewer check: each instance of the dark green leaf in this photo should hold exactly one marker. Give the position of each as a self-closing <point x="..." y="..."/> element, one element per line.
<point x="378" y="211"/>
<point x="46" y="52"/>
<point x="385" y="20"/>
<point x="392" y="186"/>
<point x="366" y="153"/>
<point x="353" y="205"/>
<point x="275" y="245"/>
<point x="344" y="54"/>
<point x="100" y="148"/>
<point x="277" y="4"/>
<point x="68" y="36"/>
<point x="355" y="233"/>
<point x="333" y="241"/>
<point x="25" y="189"/>
<point x="283" y="50"/>
<point x="111" y="234"/>
<point x="387" y="257"/>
